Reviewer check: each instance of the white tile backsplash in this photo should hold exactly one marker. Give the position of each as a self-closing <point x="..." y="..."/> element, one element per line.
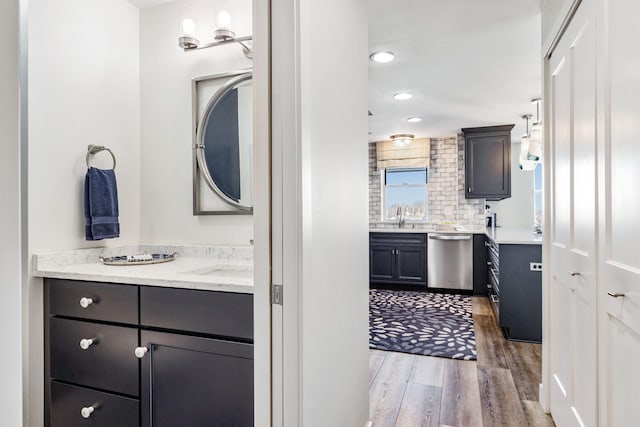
<point x="445" y="184"/>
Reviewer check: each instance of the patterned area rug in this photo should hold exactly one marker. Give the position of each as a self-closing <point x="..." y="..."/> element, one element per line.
<point x="429" y="324"/>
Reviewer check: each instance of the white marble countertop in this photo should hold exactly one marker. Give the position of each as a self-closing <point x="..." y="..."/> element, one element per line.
<point x="213" y="268"/>
<point x="513" y="235"/>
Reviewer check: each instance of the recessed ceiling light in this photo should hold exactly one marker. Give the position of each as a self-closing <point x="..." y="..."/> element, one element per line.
<point x="403" y="96"/>
<point x="382" y="57"/>
<point x="414" y="119"/>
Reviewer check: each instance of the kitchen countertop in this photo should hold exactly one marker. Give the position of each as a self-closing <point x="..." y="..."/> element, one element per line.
<point x="500" y="235"/>
<point x="212" y="268"/>
<point x="513" y="235"/>
<point x="426" y="230"/>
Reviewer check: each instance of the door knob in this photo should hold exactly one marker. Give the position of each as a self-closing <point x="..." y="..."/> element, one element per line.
<point x="87" y="411"/>
<point x="615" y="294"/>
<point x="85" y="343"/>
<point x="85" y="302"/>
<point x="140" y="352"/>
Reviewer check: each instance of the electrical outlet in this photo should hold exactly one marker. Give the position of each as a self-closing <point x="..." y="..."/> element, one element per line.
<point x="535" y="266"/>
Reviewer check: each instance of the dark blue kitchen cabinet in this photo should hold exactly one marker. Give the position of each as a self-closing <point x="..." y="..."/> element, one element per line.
<point x="488" y="162"/>
<point x="127" y="355"/>
<point x="398" y="258"/>
<point x="480" y="263"/>
<point x="515" y="290"/>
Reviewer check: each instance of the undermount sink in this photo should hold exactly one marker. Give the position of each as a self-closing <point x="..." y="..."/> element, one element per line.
<point x="228" y="270"/>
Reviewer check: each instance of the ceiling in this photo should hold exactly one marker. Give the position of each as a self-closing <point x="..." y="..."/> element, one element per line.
<point x="147" y="3"/>
<point x="467" y="62"/>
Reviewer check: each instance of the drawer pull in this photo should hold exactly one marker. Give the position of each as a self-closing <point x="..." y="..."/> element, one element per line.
<point x="87" y="411"/>
<point x="140" y="352"/>
<point x="85" y="302"/>
<point x="85" y="343"/>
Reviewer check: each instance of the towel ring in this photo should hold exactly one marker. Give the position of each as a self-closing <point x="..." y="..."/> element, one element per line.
<point x="94" y="149"/>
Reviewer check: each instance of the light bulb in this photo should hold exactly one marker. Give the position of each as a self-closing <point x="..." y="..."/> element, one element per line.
<point x="402" y="96"/>
<point x="188" y="28"/>
<point x="534" y="150"/>
<point x="382" y="57"/>
<point x="224" y="19"/>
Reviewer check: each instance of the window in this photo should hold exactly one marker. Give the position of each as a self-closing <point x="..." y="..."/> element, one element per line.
<point x="405" y="190"/>
<point x="537" y="195"/>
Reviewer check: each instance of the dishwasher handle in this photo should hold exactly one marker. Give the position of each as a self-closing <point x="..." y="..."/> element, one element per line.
<point x="449" y="237"/>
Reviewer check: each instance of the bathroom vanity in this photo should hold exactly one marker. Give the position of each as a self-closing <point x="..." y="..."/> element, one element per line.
<point x="126" y="354"/>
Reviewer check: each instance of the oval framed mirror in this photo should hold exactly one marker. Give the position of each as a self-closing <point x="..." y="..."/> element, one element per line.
<point x="223" y="142"/>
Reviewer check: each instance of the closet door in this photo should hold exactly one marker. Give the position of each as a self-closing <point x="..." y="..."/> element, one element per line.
<point x="619" y="265"/>
<point x="572" y="159"/>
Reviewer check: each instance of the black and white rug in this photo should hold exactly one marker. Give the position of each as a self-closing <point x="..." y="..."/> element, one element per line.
<point x="429" y="324"/>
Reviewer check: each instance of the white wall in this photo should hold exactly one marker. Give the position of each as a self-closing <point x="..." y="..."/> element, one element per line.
<point x="83" y="89"/>
<point x="335" y="282"/>
<point x="516" y="211"/>
<point x="166" y="73"/>
<point x="11" y="391"/>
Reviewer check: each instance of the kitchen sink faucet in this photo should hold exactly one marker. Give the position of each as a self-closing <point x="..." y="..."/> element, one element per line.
<point x="400" y="215"/>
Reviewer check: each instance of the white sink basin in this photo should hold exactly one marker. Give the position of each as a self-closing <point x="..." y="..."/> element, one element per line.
<point x="227" y="270"/>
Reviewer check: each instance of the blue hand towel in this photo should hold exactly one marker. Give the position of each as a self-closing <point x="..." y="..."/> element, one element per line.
<point x="101" y="204"/>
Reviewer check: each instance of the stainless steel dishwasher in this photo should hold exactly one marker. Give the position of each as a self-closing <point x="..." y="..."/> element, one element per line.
<point x="450" y="261"/>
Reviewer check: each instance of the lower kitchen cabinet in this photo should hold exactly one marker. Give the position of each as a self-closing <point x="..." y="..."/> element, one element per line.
<point x="515" y="290"/>
<point x="186" y="359"/>
<point x="480" y="264"/>
<point x="398" y="258"/>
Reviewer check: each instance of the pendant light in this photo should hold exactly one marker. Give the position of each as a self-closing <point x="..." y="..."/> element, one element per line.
<point x="535" y="145"/>
<point x="524" y="162"/>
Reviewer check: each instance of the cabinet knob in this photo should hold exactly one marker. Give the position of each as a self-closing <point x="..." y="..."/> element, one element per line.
<point x="85" y="343"/>
<point x="574" y="273"/>
<point x="140" y="352"/>
<point x="85" y="302"/>
<point x="87" y="411"/>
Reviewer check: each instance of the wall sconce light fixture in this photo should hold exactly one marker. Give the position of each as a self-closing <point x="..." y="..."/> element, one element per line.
<point x="222" y="35"/>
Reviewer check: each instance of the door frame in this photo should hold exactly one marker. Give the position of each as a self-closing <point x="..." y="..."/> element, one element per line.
<point x="262" y="212"/>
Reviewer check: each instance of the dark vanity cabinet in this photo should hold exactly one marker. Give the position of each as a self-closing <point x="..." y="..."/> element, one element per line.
<point x="398" y="258"/>
<point x="488" y="162"/>
<point x="127" y="355"/>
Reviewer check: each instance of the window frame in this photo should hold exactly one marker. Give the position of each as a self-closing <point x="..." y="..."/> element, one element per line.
<point x="383" y="194"/>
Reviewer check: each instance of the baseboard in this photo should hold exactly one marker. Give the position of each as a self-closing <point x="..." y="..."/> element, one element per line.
<point x="543" y="399"/>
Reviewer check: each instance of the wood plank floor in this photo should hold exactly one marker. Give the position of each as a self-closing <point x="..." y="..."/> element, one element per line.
<point x="500" y="389"/>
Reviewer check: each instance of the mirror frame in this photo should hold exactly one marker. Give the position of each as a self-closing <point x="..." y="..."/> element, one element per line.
<point x="231" y="79"/>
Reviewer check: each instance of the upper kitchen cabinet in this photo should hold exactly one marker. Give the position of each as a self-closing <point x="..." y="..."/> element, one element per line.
<point x="488" y="162"/>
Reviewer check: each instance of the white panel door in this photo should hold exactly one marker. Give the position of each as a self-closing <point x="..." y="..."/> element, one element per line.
<point x="619" y="212"/>
<point x="572" y="162"/>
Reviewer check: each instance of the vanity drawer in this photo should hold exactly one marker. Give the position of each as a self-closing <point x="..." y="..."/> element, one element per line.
<point x="223" y="314"/>
<point x="68" y="401"/>
<point x="109" y="363"/>
<point x="95" y="301"/>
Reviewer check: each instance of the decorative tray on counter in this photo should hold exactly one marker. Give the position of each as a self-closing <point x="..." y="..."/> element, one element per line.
<point x="139" y="259"/>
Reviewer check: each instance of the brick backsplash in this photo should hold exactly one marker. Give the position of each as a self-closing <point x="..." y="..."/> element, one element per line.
<point x="445" y="184"/>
